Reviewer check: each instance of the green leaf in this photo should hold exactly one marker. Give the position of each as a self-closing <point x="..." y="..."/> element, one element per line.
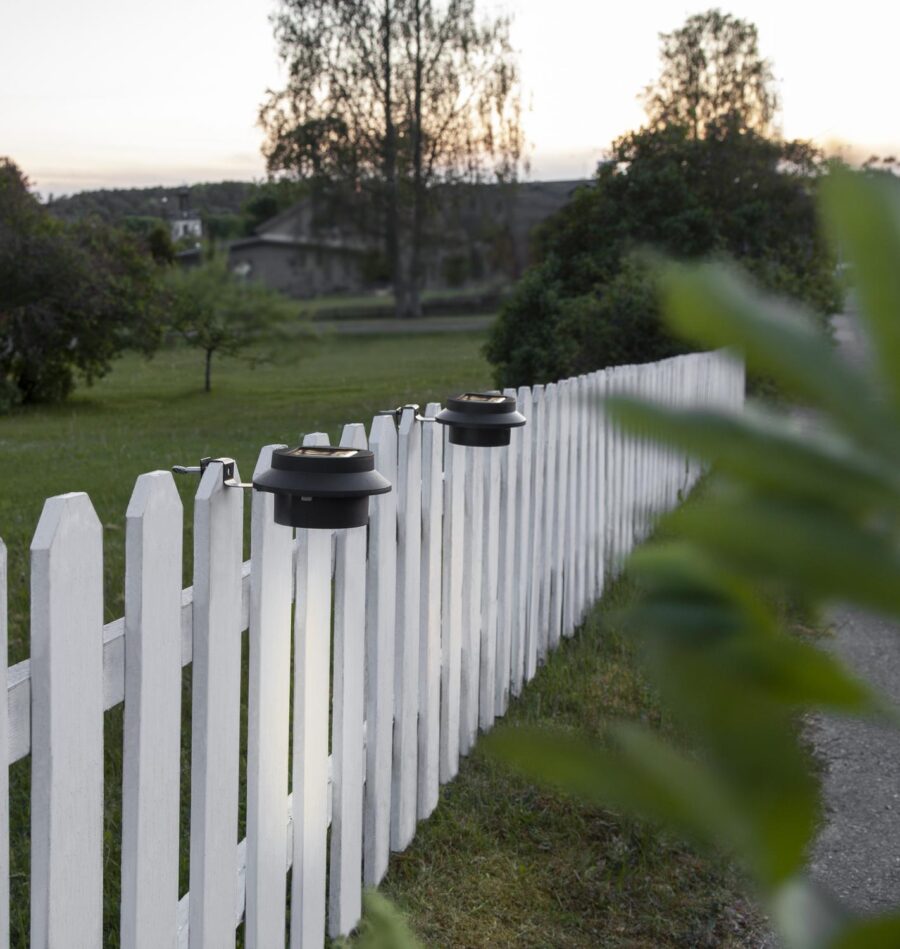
<point x="770" y="453"/>
<point x="383" y="926"/>
<point x="815" y="550"/>
<point x="715" y="306"/>
<point x="863" y="215"/>
<point x="882" y="932"/>
<point x="806" y="915"/>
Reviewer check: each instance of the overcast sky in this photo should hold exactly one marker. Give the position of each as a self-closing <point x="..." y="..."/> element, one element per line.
<point x="116" y="93"/>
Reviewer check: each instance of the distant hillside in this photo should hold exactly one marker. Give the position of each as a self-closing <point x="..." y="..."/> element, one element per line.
<point x="116" y="204"/>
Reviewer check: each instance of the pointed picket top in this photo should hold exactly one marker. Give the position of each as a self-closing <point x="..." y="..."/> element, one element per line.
<point x="354" y="435"/>
<point x="67" y="724"/>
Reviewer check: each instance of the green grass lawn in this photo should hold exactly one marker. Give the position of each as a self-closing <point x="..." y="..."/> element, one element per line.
<point x="152" y="414"/>
<point x="503" y="863"/>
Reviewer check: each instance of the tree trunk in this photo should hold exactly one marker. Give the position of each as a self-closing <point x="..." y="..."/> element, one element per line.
<point x="414" y="303"/>
<point x="207" y="381"/>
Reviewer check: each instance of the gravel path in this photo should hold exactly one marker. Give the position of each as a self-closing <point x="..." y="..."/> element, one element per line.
<point x="857" y="855"/>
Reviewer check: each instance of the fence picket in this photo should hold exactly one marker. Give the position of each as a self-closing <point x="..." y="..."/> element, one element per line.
<point x="472" y="582"/>
<point x="67" y="725"/>
<point x="509" y="564"/>
<point x="524" y="542"/>
<point x="490" y="564"/>
<point x="453" y="535"/>
<point x="310" y="766"/>
<point x="4" y="755"/>
<point x="548" y="639"/>
<point x="536" y="565"/>
<point x="268" y="717"/>
<point x="151" y="770"/>
<point x="215" y="714"/>
<point x="381" y="592"/>
<point x="430" y="614"/>
<point x="348" y="710"/>
<point x="406" y="658"/>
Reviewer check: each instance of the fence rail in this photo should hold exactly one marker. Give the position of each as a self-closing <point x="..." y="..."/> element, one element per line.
<point x="408" y="637"/>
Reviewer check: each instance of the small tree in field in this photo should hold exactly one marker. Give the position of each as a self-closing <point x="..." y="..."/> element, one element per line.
<point x="218" y="312"/>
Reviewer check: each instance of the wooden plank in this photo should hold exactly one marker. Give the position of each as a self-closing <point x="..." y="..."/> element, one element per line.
<point x="268" y="717"/>
<point x="151" y="767"/>
<point x="452" y="605"/>
<point x="430" y="614"/>
<point x="548" y="638"/>
<point x="348" y="711"/>
<point x="573" y="514"/>
<point x="524" y="541"/>
<point x="538" y="455"/>
<point x="404" y="791"/>
<point x="509" y="566"/>
<point x="67" y="725"/>
<point x="4" y="755"/>
<point x="590" y="498"/>
<point x="581" y="521"/>
<point x="561" y="527"/>
<point x="310" y="762"/>
<point x="216" y="704"/>
<point x="472" y="582"/>
<point x="381" y="591"/>
<point x="490" y="562"/>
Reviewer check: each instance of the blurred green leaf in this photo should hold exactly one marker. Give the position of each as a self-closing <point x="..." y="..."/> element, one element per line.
<point x="383" y="926"/>
<point x="863" y="215"/>
<point x="713" y="305"/>
<point x="882" y="932"/>
<point x="806" y="915"/>
<point x="770" y="453"/>
<point x="810" y="547"/>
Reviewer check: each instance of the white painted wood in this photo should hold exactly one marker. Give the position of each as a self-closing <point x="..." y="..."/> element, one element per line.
<point x="509" y="566"/>
<point x="151" y="767"/>
<point x="430" y="614"/>
<point x="216" y="702"/>
<point x="381" y="592"/>
<point x="404" y="793"/>
<point x="582" y="508"/>
<point x="310" y="763"/>
<point x="452" y="605"/>
<point x="538" y="455"/>
<point x="67" y="725"/>
<point x="524" y="541"/>
<point x="548" y="639"/>
<point x="268" y="717"/>
<point x="348" y="710"/>
<point x="590" y="489"/>
<point x="472" y="583"/>
<point x="562" y="503"/>
<point x="490" y="562"/>
<point x="573" y="514"/>
<point x="4" y="755"/>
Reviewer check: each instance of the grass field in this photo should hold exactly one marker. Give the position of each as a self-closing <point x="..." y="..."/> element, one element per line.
<point x="502" y="863"/>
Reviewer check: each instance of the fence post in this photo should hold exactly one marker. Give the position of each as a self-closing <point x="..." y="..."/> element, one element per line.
<point x="312" y="657"/>
<point x="67" y="726"/>
<point x="4" y="758"/>
<point x="348" y="710"/>
<point x="268" y="717"/>
<point x="151" y="769"/>
<point x="381" y="592"/>
<point x="406" y="660"/>
<point x="215" y="717"/>
<point x="451" y="605"/>
<point x="509" y="564"/>
<point x="430" y="613"/>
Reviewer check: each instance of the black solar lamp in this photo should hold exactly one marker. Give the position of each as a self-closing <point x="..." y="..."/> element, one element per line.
<point x="481" y="419"/>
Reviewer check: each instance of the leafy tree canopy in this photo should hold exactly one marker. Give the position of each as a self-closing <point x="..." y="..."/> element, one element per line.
<point x="385" y="100"/>
<point x="72" y="296"/>
<point x="725" y="191"/>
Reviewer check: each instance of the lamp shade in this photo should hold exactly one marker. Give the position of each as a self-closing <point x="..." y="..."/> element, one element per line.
<point x="322" y="486"/>
<point x="481" y="419"/>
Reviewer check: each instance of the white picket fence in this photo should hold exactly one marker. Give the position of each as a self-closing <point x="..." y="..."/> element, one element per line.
<point x="469" y="573"/>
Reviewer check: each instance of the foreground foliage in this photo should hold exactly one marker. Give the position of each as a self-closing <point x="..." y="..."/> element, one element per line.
<point x="811" y="513"/>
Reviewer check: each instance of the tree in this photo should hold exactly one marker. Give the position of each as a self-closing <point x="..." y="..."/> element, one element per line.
<point x="729" y="192"/>
<point x="386" y="100"/>
<point x="72" y="297"/>
<point x="218" y="312"/>
<point x="712" y="71"/>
